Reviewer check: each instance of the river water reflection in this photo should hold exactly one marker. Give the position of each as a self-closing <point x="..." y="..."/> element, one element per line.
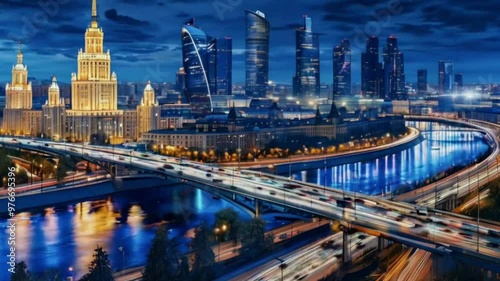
<point x="443" y="148"/>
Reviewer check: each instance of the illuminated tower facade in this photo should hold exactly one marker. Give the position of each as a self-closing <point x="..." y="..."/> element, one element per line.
<point x="148" y="112"/>
<point x="18" y="101"/>
<point x="54" y="114"/>
<point x="257" y="53"/>
<point x="306" y="79"/>
<point x="94" y="91"/>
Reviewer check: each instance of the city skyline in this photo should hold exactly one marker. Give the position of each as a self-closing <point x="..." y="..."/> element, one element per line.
<point x="156" y="53"/>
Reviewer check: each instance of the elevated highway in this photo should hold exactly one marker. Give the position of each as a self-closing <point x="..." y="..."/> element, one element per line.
<point x="436" y="231"/>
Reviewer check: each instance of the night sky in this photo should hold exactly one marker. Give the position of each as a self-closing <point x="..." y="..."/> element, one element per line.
<point x="144" y="35"/>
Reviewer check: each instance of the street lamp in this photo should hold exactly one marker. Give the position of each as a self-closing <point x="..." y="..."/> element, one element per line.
<point x="283" y="265"/>
<point x="218" y="232"/>
<point x="70" y="277"/>
<point x="41" y="177"/>
<point x="123" y="257"/>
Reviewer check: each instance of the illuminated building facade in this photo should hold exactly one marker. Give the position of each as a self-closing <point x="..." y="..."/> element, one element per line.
<point x="17" y="118"/>
<point x="257" y="54"/>
<point x="54" y="114"/>
<point x="306" y="80"/>
<point x="94" y="91"/>
<point x="342" y="69"/>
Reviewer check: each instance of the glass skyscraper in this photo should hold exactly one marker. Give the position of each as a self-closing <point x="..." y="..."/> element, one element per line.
<point x="224" y="69"/>
<point x="195" y="57"/>
<point x="371" y="69"/>
<point x="306" y="81"/>
<point x="207" y="65"/>
<point x="422" y="82"/>
<point x="394" y="73"/>
<point x="342" y="68"/>
<point x="445" y="69"/>
<point x="257" y="53"/>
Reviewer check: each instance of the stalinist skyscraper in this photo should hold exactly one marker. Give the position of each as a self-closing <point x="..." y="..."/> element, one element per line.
<point x="18" y="101"/>
<point x="94" y="91"/>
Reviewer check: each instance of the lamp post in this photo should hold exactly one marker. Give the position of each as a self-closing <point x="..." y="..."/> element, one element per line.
<point x="41" y="177"/>
<point x="478" y="202"/>
<point x="31" y="170"/>
<point x="282" y="266"/>
<point x="218" y="232"/>
<point x="70" y="277"/>
<point x="123" y="258"/>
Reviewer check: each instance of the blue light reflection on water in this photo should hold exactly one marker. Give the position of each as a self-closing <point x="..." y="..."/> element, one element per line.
<point x="408" y="167"/>
<point x="66" y="236"/>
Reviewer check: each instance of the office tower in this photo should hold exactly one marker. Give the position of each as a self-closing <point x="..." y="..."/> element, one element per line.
<point x="224" y="66"/>
<point x="54" y="114"/>
<point x="394" y="74"/>
<point x="370" y="69"/>
<point x="18" y="99"/>
<point x="459" y="83"/>
<point x="342" y="68"/>
<point x="422" y="82"/>
<point x="445" y="69"/>
<point x="148" y="112"/>
<point x="257" y="53"/>
<point x="180" y="80"/>
<point x="94" y="90"/>
<point x="306" y="80"/>
<point x="197" y="48"/>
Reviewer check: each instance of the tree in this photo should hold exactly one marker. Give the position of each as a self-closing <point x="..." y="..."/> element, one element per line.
<point x="184" y="269"/>
<point x="22" y="176"/>
<point x="231" y="219"/>
<point x="5" y="163"/>
<point x="62" y="169"/>
<point x="202" y="255"/>
<point x="100" y="268"/>
<point x="163" y="259"/>
<point x="254" y="239"/>
<point x="21" y="272"/>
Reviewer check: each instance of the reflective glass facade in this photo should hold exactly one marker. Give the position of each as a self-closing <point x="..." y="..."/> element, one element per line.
<point x="257" y="53"/>
<point x="394" y="74"/>
<point x="342" y="69"/>
<point x="195" y="57"/>
<point x="371" y="69"/>
<point x="224" y="66"/>
<point x="306" y="80"/>
<point x="445" y="78"/>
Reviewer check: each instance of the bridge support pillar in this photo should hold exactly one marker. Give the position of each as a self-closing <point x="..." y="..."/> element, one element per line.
<point x="346" y="251"/>
<point x="257" y="208"/>
<point x="382" y="243"/>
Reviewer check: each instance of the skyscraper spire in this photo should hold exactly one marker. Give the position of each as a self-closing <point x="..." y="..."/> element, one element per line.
<point x="20" y="54"/>
<point x="94" y="12"/>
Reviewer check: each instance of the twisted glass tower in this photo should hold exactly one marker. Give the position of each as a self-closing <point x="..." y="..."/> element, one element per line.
<point x="257" y="53"/>
<point x="196" y="50"/>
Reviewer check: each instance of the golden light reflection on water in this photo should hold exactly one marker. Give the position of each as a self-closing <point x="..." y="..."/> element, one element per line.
<point x="93" y="224"/>
<point x="23" y="235"/>
<point x="135" y="218"/>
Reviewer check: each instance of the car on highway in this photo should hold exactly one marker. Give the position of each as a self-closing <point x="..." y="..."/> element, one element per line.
<point x="161" y="169"/>
<point x="492" y="245"/>
<point x="272" y="193"/>
<point x="167" y="166"/>
<point x="208" y="175"/>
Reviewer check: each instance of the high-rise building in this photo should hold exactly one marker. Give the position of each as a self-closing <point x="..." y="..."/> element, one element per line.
<point x="148" y="112"/>
<point x="54" y="113"/>
<point x="17" y="117"/>
<point x="224" y="66"/>
<point x="459" y="83"/>
<point x="197" y="48"/>
<point x="257" y="53"/>
<point x="94" y="95"/>
<point x="306" y="81"/>
<point x="445" y="70"/>
<point x="394" y="73"/>
<point x="422" y="82"/>
<point x="371" y="69"/>
<point x="342" y="68"/>
<point x="207" y="67"/>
